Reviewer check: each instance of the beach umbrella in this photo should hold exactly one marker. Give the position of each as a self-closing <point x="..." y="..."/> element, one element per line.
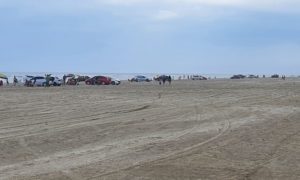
<point x="3" y="76"/>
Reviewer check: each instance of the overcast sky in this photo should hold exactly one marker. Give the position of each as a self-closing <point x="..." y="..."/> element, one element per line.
<point x="131" y="36"/>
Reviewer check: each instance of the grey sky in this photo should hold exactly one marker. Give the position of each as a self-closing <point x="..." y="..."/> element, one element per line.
<point x="227" y="36"/>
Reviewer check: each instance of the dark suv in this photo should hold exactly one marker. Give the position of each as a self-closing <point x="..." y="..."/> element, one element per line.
<point x="98" y="80"/>
<point x="239" y="76"/>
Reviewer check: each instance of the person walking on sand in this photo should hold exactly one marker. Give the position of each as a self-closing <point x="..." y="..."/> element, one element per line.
<point x="1" y="83"/>
<point x="170" y="80"/>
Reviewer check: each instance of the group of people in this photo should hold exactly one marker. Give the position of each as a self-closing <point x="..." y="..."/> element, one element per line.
<point x="70" y="79"/>
<point x="163" y="79"/>
<point x="15" y="81"/>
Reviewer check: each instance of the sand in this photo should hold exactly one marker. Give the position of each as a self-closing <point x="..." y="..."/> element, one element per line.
<point x="216" y="129"/>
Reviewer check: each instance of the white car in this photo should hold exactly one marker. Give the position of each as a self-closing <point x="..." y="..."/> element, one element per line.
<point x="198" y="77"/>
<point x="140" y="79"/>
<point x="55" y="81"/>
<point x="38" y="81"/>
<point x="115" y="81"/>
<point x="41" y="81"/>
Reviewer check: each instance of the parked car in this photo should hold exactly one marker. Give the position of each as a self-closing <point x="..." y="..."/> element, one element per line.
<point x="38" y="81"/>
<point x="82" y="78"/>
<point x="115" y="81"/>
<point x="239" y="76"/>
<point x="252" y="76"/>
<point x="98" y="80"/>
<point x="140" y="79"/>
<point x="198" y="77"/>
<point x="41" y="81"/>
<point x="55" y="81"/>
<point x="275" y="76"/>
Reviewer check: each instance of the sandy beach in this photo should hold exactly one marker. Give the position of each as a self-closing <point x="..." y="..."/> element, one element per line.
<point x="215" y="129"/>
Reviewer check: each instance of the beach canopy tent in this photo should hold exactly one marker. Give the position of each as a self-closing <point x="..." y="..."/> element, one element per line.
<point x="3" y="76"/>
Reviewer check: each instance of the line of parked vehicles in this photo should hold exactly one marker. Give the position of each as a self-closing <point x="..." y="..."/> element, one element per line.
<point x="69" y="79"/>
<point x="241" y="76"/>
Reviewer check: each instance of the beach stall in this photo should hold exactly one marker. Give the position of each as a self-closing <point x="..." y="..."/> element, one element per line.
<point x="3" y="79"/>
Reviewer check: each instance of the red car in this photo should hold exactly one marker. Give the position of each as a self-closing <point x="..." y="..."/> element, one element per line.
<point x="98" y="80"/>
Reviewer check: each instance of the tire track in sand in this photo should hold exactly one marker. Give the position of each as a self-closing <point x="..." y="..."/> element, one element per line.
<point x="176" y="154"/>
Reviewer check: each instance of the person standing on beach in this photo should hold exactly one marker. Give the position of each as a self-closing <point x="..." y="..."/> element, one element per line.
<point x="64" y="79"/>
<point x="1" y="83"/>
<point x="48" y="76"/>
<point x="15" y="81"/>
